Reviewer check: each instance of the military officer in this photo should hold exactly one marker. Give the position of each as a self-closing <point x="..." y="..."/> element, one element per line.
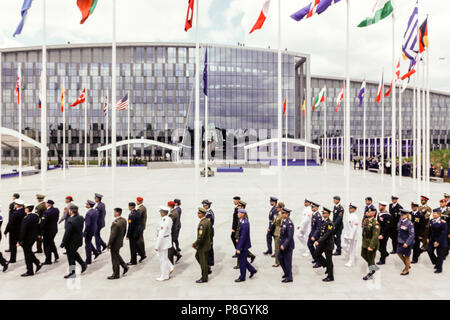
<point x="40" y="208"/>
<point x="49" y="228"/>
<point x="3" y="262"/>
<point x="73" y="240"/>
<point x="305" y="226"/>
<point x="210" y="215"/>
<point x="242" y="205"/>
<point x="175" y="219"/>
<point x="203" y="244"/>
<point x="164" y="243"/>
<point x="287" y="245"/>
<point x="316" y="220"/>
<point x="235" y="223"/>
<point x="369" y="205"/>
<point x="370" y="241"/>
<point x="445" y="215"/>
<point x="273" y="212"/>
<point x="418" y="219"/>
<point x="134" y="233"/>
<point x="385" y="220"/>
<point x="13" y="228"/>
<point x="276" y="230"/>
<point x="90" y="229"/>
<point x="115" y="242"/>
<point x="394" y="210"/>
<point x="12" y="208"/>
<point x="437" y="240"/>
<point x="405" y="239"/>
<point x="175" y="240"/>
<point x="29" y="231"/>
<point x="325" y="244"/>
<point x="100" y="206"/>
<point x="350" y="235"/>
<point x="338" y="216"/>
<point x="426" y="210"/>
<point x="143" y="211"/>
<point x="68" y="201"/>
<point x="242" y="246"/>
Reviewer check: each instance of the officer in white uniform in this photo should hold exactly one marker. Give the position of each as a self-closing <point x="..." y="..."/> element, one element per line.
<point x="305" y="226"/>
<point x="163" y="243"/>
<point x="350" y="235"/>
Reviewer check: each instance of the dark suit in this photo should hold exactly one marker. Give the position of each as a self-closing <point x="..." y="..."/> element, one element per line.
<point x="210" y="215"/>
<point x="29" y="231"/>
<point x="386" y="226"/>
<point x="419" y="231"/>
<point x="243" y="245"/>
<point x="73" y="240"/>
<point x="338" y="216"/>
<point x="438" y="233"/>
<point x="49" y="228"/>
<point x="99" y="243"/>
<point x="395" y="213"/>
<point x="287" y="241"/>
<point x="133" y="234"/>
<point x="325" y="245"/>
<point x="90" y="229"/>
<point x="13" y="228"/>
<point x="2" y="260"/>
<point x="272" y="213"/>
<point x="118" y="231"/>
<point x="234" y="226"/>
<point x="175" y="220"/>
<point x="316" y="221"/>
<point x="175" y="240"/>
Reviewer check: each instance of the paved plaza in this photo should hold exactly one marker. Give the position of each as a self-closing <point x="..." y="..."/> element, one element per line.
<point x="255" y="186"/>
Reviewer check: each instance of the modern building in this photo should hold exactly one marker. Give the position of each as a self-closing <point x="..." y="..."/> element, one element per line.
<point x="159" y="77"/>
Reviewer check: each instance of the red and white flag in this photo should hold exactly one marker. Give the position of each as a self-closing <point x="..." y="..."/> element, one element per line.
<point x="410" y="72"/>
<point x="81" y="99"/>
<point x="284" y="108"/>
<point x="19" y="85"/>
<point x="189" y="15"/>
<point x="262" y="16"/>
<point x="340" y="97"/>
<point x="380" y="89"/>
<point x="397" y="77"/>
<point x="397" y="70"/>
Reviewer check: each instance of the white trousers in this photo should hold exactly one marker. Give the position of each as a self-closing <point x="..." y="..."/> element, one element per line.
<point x="164" y="263"/>
<point x="303" y="238"/>
<point x="349" y="248"/>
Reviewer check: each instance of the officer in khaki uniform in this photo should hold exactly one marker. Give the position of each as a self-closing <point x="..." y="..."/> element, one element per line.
<point x="426" y="211"/>
<point x="370" y="241"/>
<point x="116" y="236"/>
<point x="40" y="209"/>
<point x="276" y="230"/>
<point x="203" y="244"/>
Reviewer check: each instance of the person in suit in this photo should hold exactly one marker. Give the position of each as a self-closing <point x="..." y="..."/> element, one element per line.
<point x="325" y="244"/>
<point x="115" y="242"/>
<point x="3" y="261"/>
<point x="177" y="234"/>
<point x="438" y="234"/>
<point x="164" y="243"/>
<point x="40" y="208"/>
<point x="242" y="246"/>
<point x="90" y="229"/>
<point x="143" y="211"/>
<point x="385" y="220"/>
<point x="338" y="217"/>
<point x="68" y="201"/>
<point x="73" y="240"/>
<point x="134" y="233"/>
<point x="394" y="210"/>
<point x="29" y="232"/>
<point x="175" y="219"/>
<point x="287" y="245"/>
<point x="235" y="222"/>
<point x="13" y="228"/>
<point x="272" y="213"/>
<point x="49" y="228"/>
<point x="314" y="233"/>
<point x="203" y="244"/>
<point x="100" y="206"/>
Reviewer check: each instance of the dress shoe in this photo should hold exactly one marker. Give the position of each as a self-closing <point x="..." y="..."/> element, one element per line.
<point x="178" y="258"/>
<point x="267" y="252"/>
<point x="70" y="275"/>
<point x="96" y="255"/>
<point x="12" y="261"/>
<point x="88" y="262"/>
<point x="272" y="256"/>
<point x="65" y="253"/>
<point x="253" y="273"/>
<point x="112" y="277"/>
<point x="275" y="265"/>
<point x="125" y="270"/>
<point x="131" y="263"/>
<point x="404" y="273"/>
<point x="252" y="259"/>
<point x="201" y="281"/>
<point x="414" y="261"/>
<point x="236" y="267"/>
<point x="7" y="250"/>
<point x="47" y="262"/>
<point x="235" y="256"/>
<point x="26" y="274"/>
<point x="209" y="271"/>
<point x="83" y="268"/>
<point x="286" y="280"/>
<point x="142" y="259"/>
<point x="37" y="251"/>
<point x="162" y="279"/>
<point x="328" y="279"/>
<point x="239" y="280"/>
<point x="5" y="267"/>
<point x="348" y="264"/>
<point x="56" y="257"/>
<point x="38" y="267"/>
<point x="381" y="262"/>
<point x="283" y="276"/>
<point x="438" y="271"/>
<point x="337" y="253"/>
<point x="314" y="262"/>
<point x="316" y="266"/>
<point x="178" y="249"/>
<point x="369" y="276"/>
<point x="393" y="252"/>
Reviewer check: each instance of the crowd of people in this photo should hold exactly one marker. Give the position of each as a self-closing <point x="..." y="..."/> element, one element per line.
<point x="412" y="231"/>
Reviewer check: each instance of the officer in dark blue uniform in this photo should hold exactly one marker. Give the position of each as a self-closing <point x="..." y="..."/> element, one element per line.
<point x="385" y="220"/>
<point x="29" y="232"/>
<point x="394" y="210"/>
<point x="405" y="241"/>
<point x="316" y="220"/>
<point x="369" y="204"/>
<point x="49" y="227"/>
<point x="287" y="245"/>
<point x="324" y="244"/>
<point x="178" y="208"/>
<point x="3" y="262"/>
<point x="272" y="213"/>
<point x="418" y="219"/>
<point x="13" y="228"/>
<point x="242" y="246"/>
<point x="234" y="225"/>
<point x="437" y="240"/>
<point x="210" y="215"/>
<point x="134" y="233"/>
<point x="338" y="225"/>
<point x="99" y="243"/>
<point x="90" y="229"/>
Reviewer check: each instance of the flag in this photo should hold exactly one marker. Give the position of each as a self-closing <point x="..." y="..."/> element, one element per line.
<point x="81" y="99"/>
<point x="284" y="107"/>
<point x="39" y="103"/>
<point x="23" y="12"/>
<point x="380" y="89"/>
<point x="397" y="70"/>
<point x="63" y="90"/>
<point x="340" y="97"/>
<point x="319" y="98"/>
<point x="388" y="93"/>
<point x="123" y="103"/>
<point x="423" y="36"/>
<point x="105" y="106"/>
<point x="205" y="74"/>
<point x="304" y="108"/>
<point x="189" y="16"/>
<point x="262" y="16"/>
<point x="409" y="46"/>
<point x="19" y="84"/>
<point x="410" y="72"/>
<point x="40" y="93"/>
<point x="315" y="7"/>
<point x="87" y="8"/>
<point x="362" y="93"/>
<point x="382" y="9"/>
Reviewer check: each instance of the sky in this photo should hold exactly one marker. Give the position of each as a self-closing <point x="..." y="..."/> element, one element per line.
<point x="229" y="22"/>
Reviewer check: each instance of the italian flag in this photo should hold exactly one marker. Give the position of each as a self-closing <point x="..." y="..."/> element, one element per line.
<point x="319" y="99"/>
<point x="87" y="8"/>
<point x="381" y="10"/>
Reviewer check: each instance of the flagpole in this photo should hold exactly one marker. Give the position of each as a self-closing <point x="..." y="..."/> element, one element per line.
<point x="286" y="131"/>
<point x="400" y="136"/>
<point x="206" y="139"/>
<point x="19" y="94"/>
<point x="414" y="95"/>
<point x="424" y="144"/>
<point x="197" y="95"/>
<point x="113" y="100"/>
<point x="280" y="125"/>
<point x="107" y="129"/>
<point x="428" y="144"/>
<point x="1" y="118"/>
<point x="64" y="129"/>
<point x="347" y="109"/>
<point x="382" y="127"/>
<point x="419" y="132"/>
<point x="364" y="130"/>
<point x="44" y="100"/>
<point x="85" y="131"/>
<point x="306" y="153"/>
<point x="325" y="130"/>
<point x="128" y="131"/>
<point x="393" y="111"/>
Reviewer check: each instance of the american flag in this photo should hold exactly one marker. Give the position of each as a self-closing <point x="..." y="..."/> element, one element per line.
<point x="123" y="103"/>
<point x="105" y="106"/>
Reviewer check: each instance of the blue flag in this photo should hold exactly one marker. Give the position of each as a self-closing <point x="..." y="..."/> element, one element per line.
<point x="362" y="93"/>
<point x="26" y="5"/>
<point x="205" y="74"/>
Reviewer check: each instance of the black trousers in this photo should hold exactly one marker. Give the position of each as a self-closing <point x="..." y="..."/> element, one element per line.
<point x="2" y="260"/>
<point x="337" y="238"/>
<point x="89" y="247"/>
<point x="50" y="247"/>
<point x="438" y="259"/>
<point x="233" y="238"/>
<point x="73" y="256"/>
<point x="141" y="242"/>
<point x="30" y="258"/>
<point x="394" y="238"/>
<point x="175" y="240"/>
<point x="326" y="261"/>
<point x="135" y="249"/>
<point x="117" y="261"/>
<point x="416" y="249"/>
<point x="13" y="240"/>
<point x="172" y="252"/>
<point x="311" y="247"/>
<point x="269" y="241"/>
<point x="383" y="248"/>
<point x="39" y="242"/>
<point x="285" y="258"/>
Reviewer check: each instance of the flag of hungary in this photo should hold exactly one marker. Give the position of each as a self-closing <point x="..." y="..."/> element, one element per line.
<point x="382" y="9"/>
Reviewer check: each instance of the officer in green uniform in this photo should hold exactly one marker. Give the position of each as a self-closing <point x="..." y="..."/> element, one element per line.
<point x="276" y="231"/>
<point x="241" y="205"/>
<point x="370" y="241"/>
<point x="426" y="210"/>
<point x="203" y="244"/>
<point x="39" y="209"/>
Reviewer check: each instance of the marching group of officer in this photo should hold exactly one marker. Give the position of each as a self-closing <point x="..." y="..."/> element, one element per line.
<point x="411" y="232"/>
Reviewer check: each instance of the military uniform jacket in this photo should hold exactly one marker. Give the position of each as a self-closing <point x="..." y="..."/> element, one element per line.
<point x="244" y="242"/>
<point x="305" y="224"/>
<point x="143" y="211"/>
<point x="235" y="223"/>
<point x="338" y="216"/>
<point x="426" y="210"/>
<point x="276" y="225"/>
<point x="326" y="235"/>
<point x="118" y="231"/>
<point x="164" y="237"/>
<point x="371" y="231"/>
<point x="405" y="230"/>
<point x="366" y="208"/>
<point x="210" y="216"/>
<point x="40" y="208"/>
<point x="287" y="235"/>
<point x="29" y="229"/>
<point x="90" y="222"/>
<point x="394" y="210"/>
<point x="438" y="232"/>
<point x="175" y="219"/>
<point x="73" y="236"/>
<point x="49" y="222"/>
<point x="14" y="222"/>
<point x="134" y="225"/>
<point x="419" y="223"/>
<point x="351" y="227"/>
<point x="11" y="208"/>
<point x="179" y="215"/>
<point x="386" y="224"/>
<point x="272" y="213"/>
<point x="203" y="242"/>
<point x="101" y="214"/>
<point x="316" y="220"/>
